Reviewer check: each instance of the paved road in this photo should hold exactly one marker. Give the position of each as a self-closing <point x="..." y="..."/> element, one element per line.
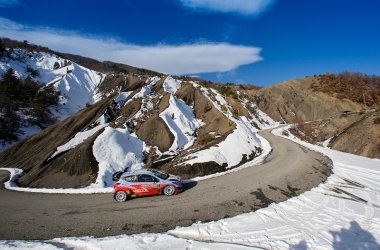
<point x="288" y="171"/>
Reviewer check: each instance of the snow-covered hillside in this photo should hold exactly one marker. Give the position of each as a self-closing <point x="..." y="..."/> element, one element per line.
<point x="163" y="121"/>
<point x="76" y="84"/>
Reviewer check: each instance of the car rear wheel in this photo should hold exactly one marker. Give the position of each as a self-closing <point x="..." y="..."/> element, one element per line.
<point x="169" y="190"/>
<point x="121" y="196"/>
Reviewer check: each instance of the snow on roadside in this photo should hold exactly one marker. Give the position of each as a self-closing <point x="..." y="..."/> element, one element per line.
<point x="135" y="242"/>
<point x="116" y="149"/>
<point x="180" y="119"/>
<point x="15" y="173"/>
<point x="342" y="213"/>
<point x="318" y="219"/>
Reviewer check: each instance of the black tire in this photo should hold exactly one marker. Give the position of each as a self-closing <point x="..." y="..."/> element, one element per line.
<point x="169" y="190"/>
<point x="121" y="196"/>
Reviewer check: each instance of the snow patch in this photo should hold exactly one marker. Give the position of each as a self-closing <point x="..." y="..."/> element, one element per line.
<point x="171" y="85"/>
<point x="180" y="119"/>
<point x="78" y="139"/>
<point x="146" y="90"/>
<point x="243" y="140"/>
<point x="120" y="99"/>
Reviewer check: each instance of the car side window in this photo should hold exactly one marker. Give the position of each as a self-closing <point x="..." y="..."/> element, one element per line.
<point x="147" y="178"/>
<point x="131" y="178"/>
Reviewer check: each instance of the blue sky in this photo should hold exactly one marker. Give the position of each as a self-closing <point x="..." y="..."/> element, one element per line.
<point x="241" y="41"/>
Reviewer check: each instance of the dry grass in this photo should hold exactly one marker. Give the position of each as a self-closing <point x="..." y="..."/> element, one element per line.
<point x="352" y="86"/>
<point x="307" y="131"/>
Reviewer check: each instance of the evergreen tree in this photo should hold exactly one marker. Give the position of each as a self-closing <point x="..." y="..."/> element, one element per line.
<point x="9" y="125"/>
<point x="2" y="49"/>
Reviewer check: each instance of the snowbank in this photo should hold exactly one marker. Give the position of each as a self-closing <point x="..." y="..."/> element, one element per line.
<point x="116" y="149"/>
<point x="15" y="173"/>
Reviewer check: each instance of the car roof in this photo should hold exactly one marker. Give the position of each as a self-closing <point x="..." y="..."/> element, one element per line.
<point x="138" y="172"/>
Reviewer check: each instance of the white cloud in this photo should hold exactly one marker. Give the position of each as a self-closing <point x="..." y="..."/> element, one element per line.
<point x="245" y="7"/>
<point x="173" y="59"/>
<point x="8" y="3"/>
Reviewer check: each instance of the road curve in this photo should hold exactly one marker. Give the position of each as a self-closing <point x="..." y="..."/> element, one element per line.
<point x="290" y="170"/>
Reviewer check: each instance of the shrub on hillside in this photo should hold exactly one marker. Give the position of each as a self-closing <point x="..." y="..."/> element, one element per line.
<point x="376" y="120"/>
<point x="207" y="108"/>
<point x="356" y="87"/>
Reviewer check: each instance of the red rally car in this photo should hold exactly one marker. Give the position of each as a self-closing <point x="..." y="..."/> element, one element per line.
<point x="146" y="182"/>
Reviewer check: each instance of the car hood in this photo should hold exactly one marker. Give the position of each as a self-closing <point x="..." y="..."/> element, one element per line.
<point x="174" y="177"/>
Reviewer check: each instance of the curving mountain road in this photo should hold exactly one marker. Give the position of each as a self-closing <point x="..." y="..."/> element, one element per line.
<point x="288" y="171"/>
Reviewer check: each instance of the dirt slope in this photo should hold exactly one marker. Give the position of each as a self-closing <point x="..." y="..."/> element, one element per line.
<point x="297" y="101"/>
<point x="362" y="137"/>
<point x="32" y="154"/>
<point x="295" y="98"/>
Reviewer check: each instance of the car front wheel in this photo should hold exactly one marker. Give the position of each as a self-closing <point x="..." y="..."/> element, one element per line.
<point x="169" y="190"/>
<point x="121" y="196"/>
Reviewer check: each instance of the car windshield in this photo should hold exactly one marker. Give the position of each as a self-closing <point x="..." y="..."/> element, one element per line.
<point x="159" y="174"/>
